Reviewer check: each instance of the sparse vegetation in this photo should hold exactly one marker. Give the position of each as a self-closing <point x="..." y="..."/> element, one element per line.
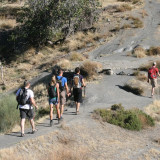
<point x="139" y="52"/>
<point x="153" y="51"/>
<point x="9" y="115"/>
<point x="134" y="119"/>
<point x="76" y="57"/>
<point x="154" y="110"/>
<point x="125" y="26"/>
<point x="123" y="8"/>
<point x="134" y="90"/>
<point x="137" y="23"/>
<point x="90" y="69"/>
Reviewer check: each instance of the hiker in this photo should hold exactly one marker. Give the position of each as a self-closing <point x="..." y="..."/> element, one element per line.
<point x="63" y="89"/>
<point x="25" y="98"/>
<point x="53" y="92"/>
<point x="78" y="83"/>
<point x="152" y="76"/>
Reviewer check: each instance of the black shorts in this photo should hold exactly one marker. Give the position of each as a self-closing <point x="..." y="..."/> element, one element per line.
<point x="26" y="113"/>
<point x="77" y="92"/>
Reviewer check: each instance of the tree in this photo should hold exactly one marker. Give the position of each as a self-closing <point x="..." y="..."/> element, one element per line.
<point x="43" y="20"/>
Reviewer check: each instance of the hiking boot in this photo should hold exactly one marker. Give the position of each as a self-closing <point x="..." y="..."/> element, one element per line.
<point x="51" y="123"/>
<point x="22" y="134"/>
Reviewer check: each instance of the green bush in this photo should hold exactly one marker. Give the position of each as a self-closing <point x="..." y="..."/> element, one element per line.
<point x="134" y="119"/>
<point x="9" y="115"/>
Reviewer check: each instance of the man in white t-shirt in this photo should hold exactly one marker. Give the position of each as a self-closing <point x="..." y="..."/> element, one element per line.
<point x="26" y="110"/>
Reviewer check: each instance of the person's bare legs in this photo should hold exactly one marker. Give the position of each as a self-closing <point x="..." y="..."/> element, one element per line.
<point x="51" y="111"/>
<point x="58" y="111"/>
<point x="61" y="110"/>
<point x="32" y="124"/>
<point x="22" y="125"/>
<point x="77" y="107"/>
<point x="152" y="91"/>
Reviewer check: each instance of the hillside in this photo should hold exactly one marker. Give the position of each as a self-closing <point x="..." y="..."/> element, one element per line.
<point x="122" y="28"/>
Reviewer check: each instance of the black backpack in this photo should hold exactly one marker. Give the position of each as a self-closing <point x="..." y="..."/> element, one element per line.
<point x="22" y="97"/>
<point x="59" y="81"/>
<point x="52" y="91"/>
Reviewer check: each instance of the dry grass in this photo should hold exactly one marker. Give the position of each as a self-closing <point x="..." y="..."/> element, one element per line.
<point x="65" y="64"/>
<point x="123" y="8"/>
<point x="154" y="51"/>
<point x="145" y="67"/>
<point x="142" y="77"/>
<point x="7" y="23"/>
<point x="77" y="57"/>
<point x="139" y="52"/>
<point x="144" y="13"/>
<point x="90" y="69"/>
<point x="154" y="110"/>
<point x="125" y="26"/>
<point x="137" y="23"/>
<point x="40" y="92"/>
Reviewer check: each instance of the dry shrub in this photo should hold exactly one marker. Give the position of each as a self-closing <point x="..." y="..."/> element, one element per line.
<point x="145" y="67"/>
<point x="136" y="22"/>
<point x="65" y="64"/>
<point x="75" y="44"/>
<point x="126" y="26"/>
<point x="154" y="51"/>
<point x="141" y="77"/>
<point x="7" y="24"/>
<point x="144" y="13"/>
<point x="154" y="110"/>
<point x="123" y="8"/>
<point x="90" y="69"/>
<point x="139" y="52"/>
<point x="76" y="57"/>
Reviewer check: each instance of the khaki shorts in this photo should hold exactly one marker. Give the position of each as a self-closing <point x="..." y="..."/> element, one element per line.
<point x="154" y="82"/>
<point x="62" y="97"/>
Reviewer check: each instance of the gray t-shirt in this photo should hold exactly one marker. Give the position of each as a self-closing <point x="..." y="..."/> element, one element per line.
<point x="30" y="94"/>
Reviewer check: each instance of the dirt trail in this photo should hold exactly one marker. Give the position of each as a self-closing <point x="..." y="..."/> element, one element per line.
<point x="107" y="92"/>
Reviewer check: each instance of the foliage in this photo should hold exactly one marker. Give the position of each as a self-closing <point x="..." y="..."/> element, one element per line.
<point x="9" y="115"/>
<point x="134" y="90"/>
<point x="43" y="20"/>
<point x="134" y="119"/>
<point x="90" y="69"/>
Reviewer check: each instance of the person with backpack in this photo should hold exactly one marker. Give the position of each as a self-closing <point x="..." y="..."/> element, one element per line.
<point x="63" y="88"/>
<point x="78" y="83"/>
<point x="25" y="99"/>
<point x="53" y="92"/>
<point x="152" y="77"/>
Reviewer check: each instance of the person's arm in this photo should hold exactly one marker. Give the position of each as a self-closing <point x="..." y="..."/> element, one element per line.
<point x="83" y="83"/>
<point x="57" y="86"/>
<point x="67" y="90"/>
<point x="33" y="102"/>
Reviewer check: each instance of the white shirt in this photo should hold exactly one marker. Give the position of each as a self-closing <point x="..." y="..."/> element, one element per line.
<point x="30" y="94"/>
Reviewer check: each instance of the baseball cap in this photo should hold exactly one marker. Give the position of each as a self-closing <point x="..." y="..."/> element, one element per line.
<point x="154" y="63"/>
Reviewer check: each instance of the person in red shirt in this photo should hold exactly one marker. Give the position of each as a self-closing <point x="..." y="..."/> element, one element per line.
<point x="152" y="76"/>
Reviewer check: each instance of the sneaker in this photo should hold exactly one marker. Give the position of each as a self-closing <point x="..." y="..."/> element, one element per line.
<point x="22" y="134"/>
<point x="51" y="123"/>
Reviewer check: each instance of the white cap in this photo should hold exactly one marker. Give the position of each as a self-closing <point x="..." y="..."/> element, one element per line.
<point x="154" y="63"/>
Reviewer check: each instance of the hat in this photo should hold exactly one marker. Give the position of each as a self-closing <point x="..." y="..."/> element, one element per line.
<point x="154" y="63"/>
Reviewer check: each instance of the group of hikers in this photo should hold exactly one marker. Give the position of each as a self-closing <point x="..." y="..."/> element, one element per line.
<point x="57" y="92"/>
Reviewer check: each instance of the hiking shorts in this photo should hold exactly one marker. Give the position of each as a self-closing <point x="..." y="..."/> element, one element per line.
<point x="26" y="113"/>
<point x="53" y="101"/>
<point x="154" y="82"/>
<point x="63" y="97"/>
<point x="77" y="92"/>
